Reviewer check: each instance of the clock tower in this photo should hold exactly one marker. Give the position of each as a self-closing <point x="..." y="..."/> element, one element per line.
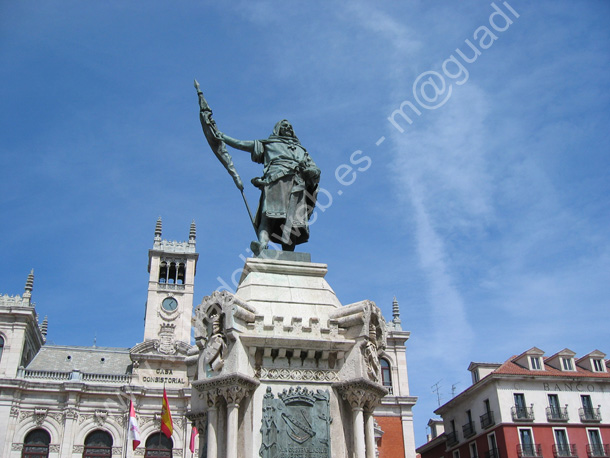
<point x="169" y="306"/>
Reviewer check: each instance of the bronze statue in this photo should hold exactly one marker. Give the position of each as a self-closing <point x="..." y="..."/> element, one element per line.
<point x="289" y="184"/>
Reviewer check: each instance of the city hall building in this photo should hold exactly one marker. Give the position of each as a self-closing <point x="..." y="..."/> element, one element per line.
<point x="72" y="401"/>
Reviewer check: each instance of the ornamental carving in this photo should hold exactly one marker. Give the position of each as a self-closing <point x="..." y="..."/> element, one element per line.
<point x="121" y="420"/>
<point x="54" y="448"/>
<point x="78" y="449"/>
<point x="17" y="446"/>
<point x="40" y="415"/>
<point x="305" y="375"/>
<point x="214" y="342"/>
<point x="117" y="451"/>
<point x="296" y="423"/>
<point x="71" y="414"/>
<point x="14" y="411"/>
<point x="100" y="417"/>
<point x="58" y="416"/>
<point x="231" y="387"/>
<point x="361" y="393"/>
<point x="179" y="422"/>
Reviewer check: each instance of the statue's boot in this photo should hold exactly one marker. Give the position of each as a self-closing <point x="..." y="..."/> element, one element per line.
<point x="257" y="247"/>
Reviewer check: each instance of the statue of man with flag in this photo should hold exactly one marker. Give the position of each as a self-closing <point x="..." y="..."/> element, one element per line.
<point x="289" y="184"/>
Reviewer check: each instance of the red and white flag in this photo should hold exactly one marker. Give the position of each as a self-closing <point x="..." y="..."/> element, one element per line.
<point x="134" y="431"/>
<point x="167" y="425"/>
<point x="194" y="433"/>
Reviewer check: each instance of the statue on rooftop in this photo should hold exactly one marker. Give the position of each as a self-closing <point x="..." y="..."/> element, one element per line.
<point x="289" y="184"/>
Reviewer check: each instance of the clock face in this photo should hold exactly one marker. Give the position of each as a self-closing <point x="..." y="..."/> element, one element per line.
<point x="169" y="304"/>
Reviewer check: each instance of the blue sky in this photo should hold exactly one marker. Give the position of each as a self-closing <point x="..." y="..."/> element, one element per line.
<point x="487" y="216"/>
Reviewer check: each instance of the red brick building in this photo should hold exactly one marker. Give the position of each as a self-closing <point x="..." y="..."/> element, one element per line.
<point x="531" y="406"/>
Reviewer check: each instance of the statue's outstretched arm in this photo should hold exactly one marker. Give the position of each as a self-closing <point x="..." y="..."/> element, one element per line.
<point x="244" y="145"/>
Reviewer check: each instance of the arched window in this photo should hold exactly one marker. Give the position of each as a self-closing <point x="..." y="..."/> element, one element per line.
<point x="171" y="276"/>
<point x="163" y="272"/>
<point x="36" y="444"/>
<point x="98" y="444"/>
<point x="158" y="446"/>
<point x="181" y="273"/>
<point x="1" y="346"/>
<point x="386" y="374"/>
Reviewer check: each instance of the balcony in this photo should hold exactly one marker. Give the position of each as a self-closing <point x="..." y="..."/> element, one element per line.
<point x="492" y="453"/>
<point x="452" y="439"/>
<point x="522" y="413"/>
<point x="487" y="420"/>
<point x="468" y="429"/>
<point x="598" y="450"/>
<point x="564" y="451"/>
<point x="529" y="450"/>
<point x="557" y="413"/>
<point x="590" y="414"/>
<point x="171" y="286"/>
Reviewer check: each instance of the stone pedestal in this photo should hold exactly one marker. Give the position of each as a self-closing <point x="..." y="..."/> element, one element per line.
<point x="284" y="369"/>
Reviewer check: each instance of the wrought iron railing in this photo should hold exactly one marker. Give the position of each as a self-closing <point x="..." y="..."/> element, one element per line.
<point x="468" y="429"/>
<point x="598" y="450"/>
<point x="492" y="453"/>
<point x="564" y="451"/>
<point x="529" y="450"/>
<point x="590" y="414"/>
<point x="452" y="439"/>
<point x="557" y="414"/>
<point x="522" y="413"/>
<point x="487" y="420"/>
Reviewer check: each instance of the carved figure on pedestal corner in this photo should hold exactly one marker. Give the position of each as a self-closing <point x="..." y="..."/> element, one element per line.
<point x="215" y="348"/>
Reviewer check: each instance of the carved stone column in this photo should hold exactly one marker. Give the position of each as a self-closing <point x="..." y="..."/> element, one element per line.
<point x="362" y="394"/>
<point x="369" y="433"/>
<point x="212" y="439"/>
<point x="233" y="388"/>
<point x="233" y="395"/>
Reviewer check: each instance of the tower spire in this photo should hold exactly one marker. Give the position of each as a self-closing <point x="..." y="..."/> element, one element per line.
<point x="29" y="286"/>
<point x="158" y="229"/>
<point x="396" y="315"/>
<point x="44" y="326"/>
<point x="193" y="232"/>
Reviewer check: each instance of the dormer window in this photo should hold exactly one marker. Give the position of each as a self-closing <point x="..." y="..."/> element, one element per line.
<point x="567" y="364"/>
<point x="535" y="363"/>
<point x="598" y="365"/>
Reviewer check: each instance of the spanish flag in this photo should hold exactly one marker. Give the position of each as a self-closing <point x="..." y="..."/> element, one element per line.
<point x="167" y="427"/>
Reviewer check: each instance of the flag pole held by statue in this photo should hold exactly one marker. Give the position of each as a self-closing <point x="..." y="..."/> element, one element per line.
<point x="218" y="146"/>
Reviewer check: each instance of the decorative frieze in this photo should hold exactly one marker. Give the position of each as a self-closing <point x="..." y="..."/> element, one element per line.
<point x="297" y="375"/>
<point x="17" y="446"/>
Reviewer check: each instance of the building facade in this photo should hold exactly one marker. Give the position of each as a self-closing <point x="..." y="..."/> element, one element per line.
<point x="530" y="406"/>
<point x="70" y="401"/>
